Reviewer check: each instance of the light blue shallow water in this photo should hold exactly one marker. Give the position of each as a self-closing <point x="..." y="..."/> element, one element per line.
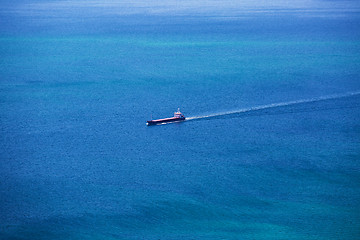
<point x="78" y="162"/>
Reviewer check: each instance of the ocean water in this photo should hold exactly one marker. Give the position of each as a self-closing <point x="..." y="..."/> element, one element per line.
<point x="271" y="149"/>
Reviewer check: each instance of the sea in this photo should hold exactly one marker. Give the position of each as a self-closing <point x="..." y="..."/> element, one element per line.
<point x="270" y="148"/>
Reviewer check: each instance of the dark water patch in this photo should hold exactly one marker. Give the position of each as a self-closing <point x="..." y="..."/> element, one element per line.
<point x="174" y="220"/>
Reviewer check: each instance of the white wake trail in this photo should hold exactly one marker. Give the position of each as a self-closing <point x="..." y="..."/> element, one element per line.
<point x="275" y="105"/>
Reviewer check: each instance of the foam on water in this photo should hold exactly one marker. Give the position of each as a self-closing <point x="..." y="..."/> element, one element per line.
<point x="275" y="105"/>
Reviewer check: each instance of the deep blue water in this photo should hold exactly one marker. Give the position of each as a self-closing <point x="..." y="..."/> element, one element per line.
<point x="78" y="161"/>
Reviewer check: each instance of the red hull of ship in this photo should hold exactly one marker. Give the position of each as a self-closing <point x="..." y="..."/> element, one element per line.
<point x="165" y="120"/>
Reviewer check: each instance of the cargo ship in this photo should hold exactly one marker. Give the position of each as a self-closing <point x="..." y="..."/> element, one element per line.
<point x="178" y="116"/>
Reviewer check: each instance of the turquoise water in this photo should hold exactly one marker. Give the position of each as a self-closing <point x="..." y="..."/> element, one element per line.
<point x="78" y="162"/>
